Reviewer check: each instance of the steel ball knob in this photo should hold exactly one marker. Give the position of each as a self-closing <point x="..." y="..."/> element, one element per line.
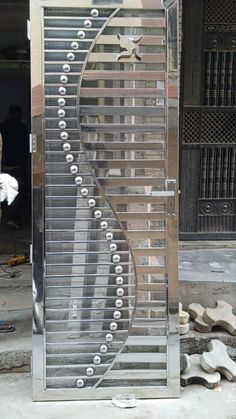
<point x="104" y="225"/>
<point x="74" y="45"/>
<point x="62" y="90"/>
<point x="74" y="170"/>
<point x="64" y="136"/>
<point x="113" y="326"/>
<point x="69" y="158"/>
<point x="117" y="315"/>
<point x="89" y="371"/>
<point x="113" y="247"/>
<point x="118" y="269"/>
<point x="94" y="12"/>
<point x="84" y="192"/>
<point x="70" y="56"/>
<point x="78" y="180"/>
<point x="109" y="337"/>
<point x="64" y="79"/>
<point x="98" y="214"/>
<point x="116" y="258"/>
<point x="80" y="383"/>
<point x="66" y="147"/>
<point x="61" y="113"/>
<point x="66" y="68"/>
<point x="62" y="124"/>
<point x="120" y="292"/>
<point x="119" y="280"/>
<point x="81" y="34"/>
<point x="109" y="236"/>
<point x="91" y="203"/>
<point x="103" y="349"/>
<point x="87" y="23"/>
<point x="119" y="303"/>
<point x="61" y="101"/>
<point x="97" y="360"/>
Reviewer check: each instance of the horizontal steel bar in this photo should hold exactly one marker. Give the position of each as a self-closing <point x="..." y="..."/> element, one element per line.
<point x="141" y="199"/>
<point x="71" y="28"/>
<point x="123" y="75"/>
<point x="137" y="181"/>
<point x="147" y="216"/>
<point x="97" y="92"/>
<point x="135" y="128"/>
<point x="65" y="17"/>
<point x="136" y="22"/>
<point x="87" y="320"/>
<point x="147" y="270"/>
<point x="141" y="358"/>
<point x="146" y="341"/>
<point x="121" y="110"/>
<point x="149" y="251"/>
<point x="87" y="40"/>
<point x="108" y="57"/>
<point x="148" y="234"/>
<point x="78" y="309"/>
<point x="145" y="40"/>
<point x="108" y="145"/>
<point x="94" y="298"/>
<point x="135" y="374"/>
<point x="138" y="164"/>
<point x="126" y="4"/>
<point x="74" y="366"/>
<point x="66" y="378"/>
<point x="151" y="287"/>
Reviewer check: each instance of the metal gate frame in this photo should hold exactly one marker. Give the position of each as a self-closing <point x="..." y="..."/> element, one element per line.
<point x="38" y="184"/>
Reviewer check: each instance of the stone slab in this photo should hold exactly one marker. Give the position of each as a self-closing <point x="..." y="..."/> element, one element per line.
<point x="222" y="315"/>
<point x="218" y="360"/>
<point x="196" y="375"/>
<point x="196" y="312"/>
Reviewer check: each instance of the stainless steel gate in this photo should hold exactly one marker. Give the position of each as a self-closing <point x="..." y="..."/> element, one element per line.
<point x="105" y="112"/>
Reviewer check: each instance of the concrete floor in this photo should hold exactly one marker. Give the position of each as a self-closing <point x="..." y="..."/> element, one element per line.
<point x="195" y="402"/>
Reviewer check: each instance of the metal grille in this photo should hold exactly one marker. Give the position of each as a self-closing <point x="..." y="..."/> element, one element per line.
<point x="218" y="11"/>
<point x="108" y="204"/>
<point x="209" y="127"/>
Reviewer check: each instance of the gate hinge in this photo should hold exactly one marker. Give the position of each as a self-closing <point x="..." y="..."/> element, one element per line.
<point x="28" y="30"/>
<point x="32" y="143"/>
<point x="170" y="206"/>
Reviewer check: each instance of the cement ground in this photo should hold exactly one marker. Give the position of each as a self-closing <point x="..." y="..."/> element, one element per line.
<point x="195" y="402"/>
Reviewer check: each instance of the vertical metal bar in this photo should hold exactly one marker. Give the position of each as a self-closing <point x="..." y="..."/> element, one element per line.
<point x="172" y="221"/>
<point x="211" y="173"/>
<point x="230" y="78"/>
<point x="204" y="173"/>
<point x="208" y="79"/>
<point x="222" y="79"/>
<point x="225" y="174"/>
<point x="218" y="174"/>
<point x="215" y="80"/>
<point x="232" y="173"/>
<point x="37" y="196"/>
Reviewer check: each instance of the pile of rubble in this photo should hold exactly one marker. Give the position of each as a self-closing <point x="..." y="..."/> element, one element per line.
<point x="207" y="368"/>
